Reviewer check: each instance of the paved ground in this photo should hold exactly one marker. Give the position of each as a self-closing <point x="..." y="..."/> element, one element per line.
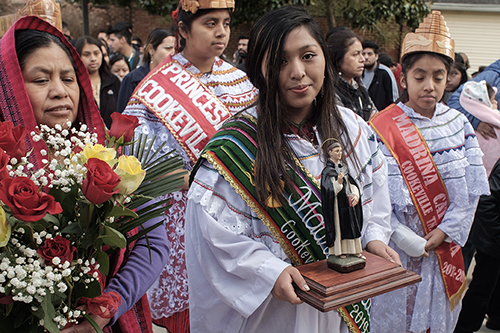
<point x="157" y="329"/>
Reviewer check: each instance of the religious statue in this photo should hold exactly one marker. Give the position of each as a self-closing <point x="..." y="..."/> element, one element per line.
<point x="342" y="212"/>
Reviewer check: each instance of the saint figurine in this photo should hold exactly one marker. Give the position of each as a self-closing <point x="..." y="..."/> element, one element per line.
<point x="342" y="212"/>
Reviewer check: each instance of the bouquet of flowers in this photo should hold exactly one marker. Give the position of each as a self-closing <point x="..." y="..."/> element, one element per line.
<point x="60" y="223"/>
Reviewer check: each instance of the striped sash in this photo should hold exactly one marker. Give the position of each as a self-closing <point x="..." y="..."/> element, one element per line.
<point x="297" y="225"/>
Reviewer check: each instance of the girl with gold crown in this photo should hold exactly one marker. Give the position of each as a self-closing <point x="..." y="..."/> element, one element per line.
<point x="436" y="176"/>
<point x="183" y="101"/>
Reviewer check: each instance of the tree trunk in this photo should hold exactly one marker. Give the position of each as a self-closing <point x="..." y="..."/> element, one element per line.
<point x="330" y="18"/>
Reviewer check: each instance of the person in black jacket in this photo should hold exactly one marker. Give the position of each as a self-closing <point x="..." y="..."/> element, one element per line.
<point x="345" y="50"/>
<point x="483" y="295"/>
<point x="377" y="78"/>
<point x="105" y="86"/>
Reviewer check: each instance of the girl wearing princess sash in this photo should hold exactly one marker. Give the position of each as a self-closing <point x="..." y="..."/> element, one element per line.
<point x="203" y="33"/>
<point x="256" y="189"/>
<point x="436" y="176"/>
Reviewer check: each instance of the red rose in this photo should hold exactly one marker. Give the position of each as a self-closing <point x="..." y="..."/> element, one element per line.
<point x="57" y="247"/>
<point x="106" y="305"/>
<point x="12" y="140"/>
<point x="101" y="181"/>
<point x="25" y="201"/>
<point x="4" y="161"/>
<point x="123" y="125"/>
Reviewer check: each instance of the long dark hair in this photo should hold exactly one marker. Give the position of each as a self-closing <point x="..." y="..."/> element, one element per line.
<point x="82" y="41"/>
<point x="268" y="37"/>
<point x="408" y="61"/>
<point x="155" y="38"/>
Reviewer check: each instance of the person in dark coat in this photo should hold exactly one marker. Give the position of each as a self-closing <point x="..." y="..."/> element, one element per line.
<point x="483" y="295"/>
<point x="341" y="205"/>
<point x="105" y="86"/>
<point x="345" y="48"/>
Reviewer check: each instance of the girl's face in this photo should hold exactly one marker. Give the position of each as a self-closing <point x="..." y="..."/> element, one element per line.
<point x="52" y="86"/>
<point x="352" y="64"/>
<point x="425" y="82"/>
<point x="302" y="71"/>
<point x="454" y="78"/>
<point x="120" y="69"/>
<point x="166" y="48"/>
<point x="91" y="57"/>
<point x="209" y="34"/>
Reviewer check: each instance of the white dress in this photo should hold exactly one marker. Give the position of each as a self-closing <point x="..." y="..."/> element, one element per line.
<point x="169" y="294"/>
<point x="456" y="153"/>
<point x="233" y="260"/>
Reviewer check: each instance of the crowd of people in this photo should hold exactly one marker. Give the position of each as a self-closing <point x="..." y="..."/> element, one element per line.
<point x="256" y="136"/>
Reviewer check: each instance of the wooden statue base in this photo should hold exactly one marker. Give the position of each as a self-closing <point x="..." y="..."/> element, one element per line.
<point x="331" y="290"/>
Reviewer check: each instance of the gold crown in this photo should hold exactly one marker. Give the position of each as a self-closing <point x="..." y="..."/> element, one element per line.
<point x="432" y="35"/>
<point x="47" y="10"/>
<point x="193" y="5"/>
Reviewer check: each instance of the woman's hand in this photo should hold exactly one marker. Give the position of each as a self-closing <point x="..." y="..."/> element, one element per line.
<point x="84" y="326"/>
<point x="434" y="239"/>
<point x="382" y="250"/>
<point x="486" y="130"/>
<point x="283" y="288"/>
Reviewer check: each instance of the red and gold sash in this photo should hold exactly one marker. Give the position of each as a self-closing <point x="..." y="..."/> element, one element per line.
<point x="426" y="187"/>
<point x="185" y="106"/>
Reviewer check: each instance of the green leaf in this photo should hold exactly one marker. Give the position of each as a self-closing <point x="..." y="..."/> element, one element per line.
<point x="118" y="211"/>
<point x="103" y="260"/>
<point x="89" y="290"/>
<point x="73" y="228"/>
<point x="93" y="323"/>
<point x="49" y="314"/>
<point x="113" y="238"/>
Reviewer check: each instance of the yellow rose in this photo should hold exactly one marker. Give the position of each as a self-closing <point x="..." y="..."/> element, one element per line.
<point x="99" y="151"/>
<point x="5" y="228"/>
<point x="130" y="171"/>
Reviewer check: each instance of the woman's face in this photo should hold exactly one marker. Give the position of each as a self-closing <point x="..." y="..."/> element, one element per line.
<point x="120" y="69"/>
<point x="425" y="82"/>
<point x="454" y="78"/>
<point x="167" y="47"/>
<point x="302" y="71"/>
<point x="352" y="64"/>
<point x="91" y="57"/>
<point x="209" y="34"/>
<point x="52" y="86"/>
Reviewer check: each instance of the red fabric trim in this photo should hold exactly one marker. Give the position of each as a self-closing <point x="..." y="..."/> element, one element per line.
<point x="176" y="323"/>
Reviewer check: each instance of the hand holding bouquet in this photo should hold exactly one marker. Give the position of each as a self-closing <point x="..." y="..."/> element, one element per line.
<point x="60" y="223"/>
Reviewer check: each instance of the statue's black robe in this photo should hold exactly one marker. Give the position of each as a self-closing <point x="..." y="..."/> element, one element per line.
<point x="351" y="218"/>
